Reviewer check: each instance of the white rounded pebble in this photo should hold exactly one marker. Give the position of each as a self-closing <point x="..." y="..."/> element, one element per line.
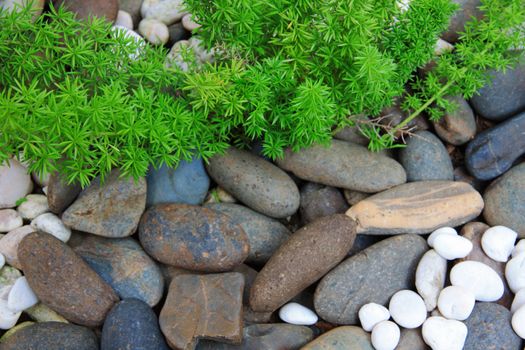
<point x="498" y="242"/>
<point x="440" y="231"/>
<point x="452" y="247"/>
<point x="297" y="314"/>
<point x="8" y="318"/>
<point x="35" y="204"/>
<point x="155" y="32"/>
<point x="479" y="279"/>
<point x="167" y="11"/>
<point x="15" y="183"/>
<point x="44" y="189"/>
<point x="518" y="322"/>
<point x="431" y="274"/>
<point x="385" y="335"/>
<point x="9" y="220"/>
<point x="407" y="309"/>
<point x="442" y="46"/>
<point x="189" y="24"/>
<point x="21" y="296"/>
<point x="518" y="301"/>
<point x="456" y="303"/>
<point x="128" y="34"/>
<point x="515" y="272"/>
<point x="124" y="19"/>
<point x="2" y="260"/>
<point x="519" y="248"/>
<point x="442" y="334"/>
<point x="50" y="223"/>
<point x="371" y="314"/>
<point x="9" y="244"/>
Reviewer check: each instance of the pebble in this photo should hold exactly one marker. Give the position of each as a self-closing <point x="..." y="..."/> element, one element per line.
<point x="8" y="277"/>
<point x="408" y="309"/>
<point x="459" y="126"/>
<point x="456" y="303"/>
<point x="183" y="319"/>
<point x="354" y="197"/>
<point x="58" y="277"/>
<point x="15" y="329"/>
<point x="467" y="9"/>
<point x="154" y="31"/>
<point x="297" y="314"/>
<point x="256" y="182"/>
<point x="35" y="205"/>
<point x="132" y="324"/>
<point x="373" y="275"/>
<point x="493" y="151"/>
<point x="60" y="194"/>
<point x="442" y="334"/>
<point x="452" y="247"/>
<point x="9" y="244"/>
<point x="318" y="201"/>
<point x="124" y="19"/>
<point x="519" y="300"/>
<point x="353" y="135"/>
<point x="249" y="315"/>
<point x="371" y="314"/>
<point x="167" y="11"/>
<point x="189" y="24"/>
<point x="518" y="248"/>
<point x="504" y="201"/>
<point x="177" y="33"/>
<point x="193" y="237"/>
<point x="308" y="255"/>
<point x="411" y="339"/>
<point x="86" y="9"/>
<point x="8" y="318"/>
<point x="21" y="296"/>
<point x="15" y="183"/>
<point x="426" y="158"/>
<point x="344" y="165"/>
<point x="479" y="279"/>
<point x="498" y="242"/>
<point x="385" y="335"/>
<point x="9" y="220"/>
<point x="219" y="195"/>
<point x="132" y="7"/>
<point x="515" y="272"/>
<point x="431" y="274"/>
<point x="42" y="313"/>
<point x="341" y="338"/>
<point x="109" y="210"/>
<point x="429" y="205"/>
<point x="51" y="224"/>
<point x="518" y="322"/>
<point x="440" y="231"/>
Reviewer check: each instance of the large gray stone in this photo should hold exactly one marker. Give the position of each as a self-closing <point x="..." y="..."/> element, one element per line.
<point x="342" y="338"/>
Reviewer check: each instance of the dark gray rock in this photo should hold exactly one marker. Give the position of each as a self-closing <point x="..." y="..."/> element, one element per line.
<point x="132" y="325"/>
<point x="489" y="328"/>
<point x="373" y="275"/>
<point x="362" y="242"/>
<point x="467" y="9"/>
<point x="461" y="174"/>
<point x="59" y="194"/>
<point x="426" y="158"/>
<point x="493" y="151"/>
<point x="318" y="201"/>
<point x="459" y="126"/>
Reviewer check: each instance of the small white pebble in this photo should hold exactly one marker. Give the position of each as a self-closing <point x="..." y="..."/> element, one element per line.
<point x="154" y="31"/>
<point x="44" y="189"/>
<point x="498" y="242"/>
<point x="431" y="274"/>
<point x="371" y="314"/>
<point x="407" y="309"/>
<point x="442" y="46"/>
<point x="518" y="301"/>
<point x="519" y="248"/>
<point x="9" y="220"/>
<point x="515" y="272"/>
<point x="440" y="231"/>
<point x="442" y="334"/>
<point x="456" y="303"/>
<point x="35" y="204"/>
<point x="189" y="24"/>
<point x="480" y="279"/>
<point x="385" y="335"/>
<point x="518" y="322"/>
<point x="8" y="318"/>
<point x="452" y="247"/>
<point x="50" y="223"/>
<point x="124" y="19"/>
<point x="297" y="314"/>
<point x="21" y="296"/>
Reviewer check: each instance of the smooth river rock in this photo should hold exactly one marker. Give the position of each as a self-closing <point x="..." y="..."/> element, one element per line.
<point x="193" y="237"/>
<point x="459" y="126"/>
<point x="309" y="254"/>
<point x="15" y="183"/>
<point x="63" y="281"/>
<point x="86" y="9"/>
<point x="417" y="207"/>
<point x="344" y="165"/>
<point x="256" y="182"/>
<point x="342" y="338"/>
<point x="373" y="275"/>
<point x="318" y="201"/>
<point x="60" y="194"/>
<point x="467" y="9"/>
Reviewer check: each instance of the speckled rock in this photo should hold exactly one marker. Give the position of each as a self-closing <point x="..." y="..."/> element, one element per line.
<point x="489" y="329"/>
<point x="411" y="339"/>
<point x="256" y="182"/>
<point x="265" y="235"/>
<point x="60" y="194"/>
<point x="63" y="281"/>
<point x="193" y="237"/>
<point x="493" y="151"/>
<point x="203" y="306"/>
<point x="124" y="265"/>
<point x="15" y="183"/>
<point x="504" y="203"/>
<point x="373" y="275"/>
<point x="52" y="336"/>
<point x="248" y="314"/>
<point x="342" y="338"/>
<point x="344" y="165"/>
<point x="426" y="158"/>
<point x="310" y="253"/>
<point x="468" y="8"/>
<point x="429" y="205"/>
<point x="133" y="8"/>
<point x="9" y="244"/>
<point x="86" y="9"/>
<point x="457" y="127"/>
<point x="110" y="210"/>
<point x="132" y="324"/>
<point x="318" y="201"/>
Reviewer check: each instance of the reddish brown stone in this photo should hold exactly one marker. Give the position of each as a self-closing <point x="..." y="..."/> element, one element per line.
<point x="88" y="8"/>
<point x="63" y="281"/>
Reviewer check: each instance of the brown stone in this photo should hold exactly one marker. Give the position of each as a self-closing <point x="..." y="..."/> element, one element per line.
<point x="203" y="306"/>
<point x="88" y="8"/>
<point x="318" y="201"/>
<point x="63" y="281"/>
<point x="248" y="314"/>
<point x="60" y="194"/>
<point x="308" y="255"/>
<point x="459" y="126"/>
<point x="417" y="207"/>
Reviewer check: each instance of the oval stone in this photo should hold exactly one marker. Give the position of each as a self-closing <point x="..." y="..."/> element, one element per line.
<point x="193" y="237"/>
<point x="467" y="9"/>
<point x="373" y="275"/>
<point x="60" y="194"/>
<point x="342" y="338"/>
<point x="256" y="182"/>
<point x="344" y="165"/>
<point x="86" y="9"/>
<point x="63" y="281"/>
<point x="318" y="201"/>
<point x="15" y="183"/>
<point x="417" y="207"/>
<point x="458" y="126"/>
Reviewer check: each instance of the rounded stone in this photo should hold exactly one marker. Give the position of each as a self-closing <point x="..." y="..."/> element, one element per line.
<point x="452" y="247"/>
<point x="51" y="224"/>
<point x="132" y="7"/>
<point x="408" y="309"/>
<point x="515" y="273"/>
<point x="431" y="274"/>
<point x="498" y="241"/>
<point x="479" y="279"/>
<point x="459" y="126"/>
<point x="10" y="220"/>
<point x="318" y="201"/>
<point x="155" y="32"/>
<point x="124" y="19"/>
<point x="371" y="314"/>
<point x="166" y="11"/>
<point x="467" y="9"/>
<point x="297" y="314"/>
<point x="60" y="194"/>
<point x="518" y="322"/>
<point x="442" y="334"/>
<point x="342" y="338"/>
<point x="456" y="303"/>
<point x="34" y="205"/>
<point x="86" y="9"/>
<point x="9" y="244"/>
<point x="385" y="335"/>
<point x="15" y="183"/>
<point x="440" y="231"/>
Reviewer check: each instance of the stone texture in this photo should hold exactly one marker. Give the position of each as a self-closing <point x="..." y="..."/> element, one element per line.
<point x="132" y="324"/>
<point x="310" y="253"/>
<point x="493" y="151"/>
<point x="354" y="197"/>
<point x="177" y="33"/>
<point x="59" y="194"/>
<point x="342" y="338"/>
<point x="504" y="204"/>
<point x="8" y="276"/>
<point x="318" y="201"/>
<point x="461" y="174"/>
<point x="256" y="182"/>
<point x="167" y="11"/>
<point x="193" y="237"/>
<point x="264" y="234"/>
<point x="15" y="183"/>
<point x="133" y="8"/>
<point x="344" y="165"/>
<point x="10" y="220"/>
<point x="110" y="210"/>
<point x="248" y="314"/>
<point x="459" y="126"/>
<point x="42" y="313"/>
<point x="489" y="329"/>
<point x="35" y="204"/>
<point x="51" y="336"/>
<point x="417" y="207"/>
<point x="63" y="281"/>
<point x="85" y="9"/>
<point x="203" y="306"/>
<point x="411" y="339"/>
<point x="352" y="134"/>
<point x="468" y="8"/>
<point x="373" y="275"/>
<point x="124" y="265"/>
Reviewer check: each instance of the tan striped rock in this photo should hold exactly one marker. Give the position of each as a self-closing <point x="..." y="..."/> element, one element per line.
<point x="417" y="207"/>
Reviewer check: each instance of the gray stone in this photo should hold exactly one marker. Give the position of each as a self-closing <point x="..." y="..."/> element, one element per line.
<point x="459" y="126"/>
<point x="177" y="33"/>
<point x="60" y="194"/>
<point x="318" y="201"/>
<point x="467" y="9"/>
<point x="133" y="8"/>
<point x="411" y="339"/>
<point x="352" y="134"/>
<point x="342" y="338"/>
<point x="248" y="314"/>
